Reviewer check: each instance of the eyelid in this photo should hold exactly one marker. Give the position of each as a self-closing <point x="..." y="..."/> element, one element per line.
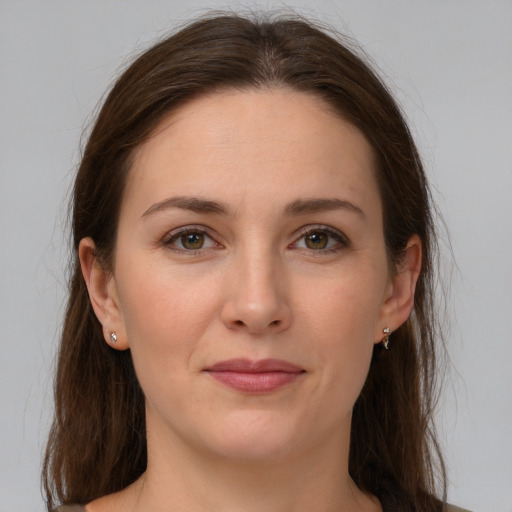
<point x="342" y="240"/>
<point x="176" y="233"/>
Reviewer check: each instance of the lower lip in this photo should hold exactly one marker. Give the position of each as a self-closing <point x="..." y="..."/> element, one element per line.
<point x="261" y="382"/>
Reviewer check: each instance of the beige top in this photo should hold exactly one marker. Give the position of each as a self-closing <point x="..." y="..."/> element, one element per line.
<point x="78" y="508"/>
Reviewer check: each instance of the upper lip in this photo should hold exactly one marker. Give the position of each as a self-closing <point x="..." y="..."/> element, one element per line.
<point x="249" y="366"/>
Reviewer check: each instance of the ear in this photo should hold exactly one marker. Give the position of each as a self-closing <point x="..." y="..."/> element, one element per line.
<point x="399" y="298"/>
<point x="101" y="286"/>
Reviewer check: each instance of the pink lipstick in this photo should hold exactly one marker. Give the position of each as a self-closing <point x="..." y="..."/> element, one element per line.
<point x="263" y="376"/>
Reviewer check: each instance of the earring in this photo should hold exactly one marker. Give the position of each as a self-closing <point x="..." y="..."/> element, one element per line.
<point x="113" y="337"/>
<point x="385" y="340"/>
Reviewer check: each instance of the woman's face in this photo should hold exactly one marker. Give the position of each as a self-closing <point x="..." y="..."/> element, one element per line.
<point x="250" y="276"/>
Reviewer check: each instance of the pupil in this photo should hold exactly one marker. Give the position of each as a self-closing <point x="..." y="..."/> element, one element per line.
<point x="192" y="240"/>
<point x="316" y="240"/>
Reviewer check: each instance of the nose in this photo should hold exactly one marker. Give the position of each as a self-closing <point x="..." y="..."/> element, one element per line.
<point x="256" y="295"/>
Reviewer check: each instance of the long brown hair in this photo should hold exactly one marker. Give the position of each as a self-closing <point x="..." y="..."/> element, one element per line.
<point x="97" y="442"/>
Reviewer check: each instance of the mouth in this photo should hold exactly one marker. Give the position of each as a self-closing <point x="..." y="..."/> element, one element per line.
<point x="263" y="376"/>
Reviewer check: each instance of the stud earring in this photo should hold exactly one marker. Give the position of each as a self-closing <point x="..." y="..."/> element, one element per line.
<point x="385" y="340"/>
<point x="113" y="337"/>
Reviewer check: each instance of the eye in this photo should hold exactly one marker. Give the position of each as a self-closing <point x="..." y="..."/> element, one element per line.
<point x="190" y="239"/>
<point x="316" y="240"/>
<point x="321" y="240"/>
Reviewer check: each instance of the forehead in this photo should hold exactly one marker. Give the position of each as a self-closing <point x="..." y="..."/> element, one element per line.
<point x="254" y="142"/>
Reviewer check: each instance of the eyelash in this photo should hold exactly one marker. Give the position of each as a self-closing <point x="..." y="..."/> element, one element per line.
<point x="340" y="238"/>
<point x="175" y="235"/>
<point x="342" y="241"/>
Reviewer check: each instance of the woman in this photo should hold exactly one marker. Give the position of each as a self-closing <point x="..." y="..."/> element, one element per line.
<point x="250" y="323"/>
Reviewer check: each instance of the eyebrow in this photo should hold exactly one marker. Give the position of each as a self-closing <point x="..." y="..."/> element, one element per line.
<point x="295" y="208"/>
<point x="305" y="206"/>
<point x="194" y="204"/>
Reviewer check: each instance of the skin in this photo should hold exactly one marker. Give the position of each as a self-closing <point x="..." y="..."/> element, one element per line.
<point x="311" y="286"/>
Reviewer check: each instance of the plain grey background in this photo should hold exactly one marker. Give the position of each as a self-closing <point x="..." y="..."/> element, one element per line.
<point x="450" y="65"/>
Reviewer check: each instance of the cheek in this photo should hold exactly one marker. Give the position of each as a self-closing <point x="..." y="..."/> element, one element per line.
<point x="165" y="314"/>
<point x="349" y="307"/>
<point x="343" y="320"/>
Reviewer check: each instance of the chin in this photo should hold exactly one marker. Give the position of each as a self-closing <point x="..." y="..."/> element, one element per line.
<point x="255" y="438"/>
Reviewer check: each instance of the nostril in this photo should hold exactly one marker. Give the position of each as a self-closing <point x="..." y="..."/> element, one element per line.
<point x="239" y="322"/>
<point x="275" y="322"/>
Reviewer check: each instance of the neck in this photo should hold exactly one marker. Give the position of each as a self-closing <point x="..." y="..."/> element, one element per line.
<point x="184" y="479"/>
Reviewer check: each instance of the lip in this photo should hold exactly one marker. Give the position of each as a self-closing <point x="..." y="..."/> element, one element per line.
<point x="262" y="376"/>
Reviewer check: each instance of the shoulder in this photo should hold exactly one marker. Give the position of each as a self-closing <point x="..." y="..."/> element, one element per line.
<point x="453" y="508"/>
<point x="79" y="508"/>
